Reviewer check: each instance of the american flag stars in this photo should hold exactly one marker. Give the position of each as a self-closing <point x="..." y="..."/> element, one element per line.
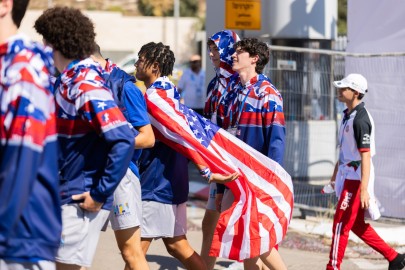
<point x="101" y="105"/>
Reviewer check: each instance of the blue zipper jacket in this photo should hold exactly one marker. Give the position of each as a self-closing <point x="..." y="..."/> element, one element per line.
<point x="95" y="140"/>
<point x="30" y="215"/>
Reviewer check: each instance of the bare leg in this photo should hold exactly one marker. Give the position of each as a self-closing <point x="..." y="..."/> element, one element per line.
<point x="263" y="266"/>
<point x="179" y="248"/>
<point x="254" y="264"/>
<point x="145" y="244"/>
<point x="129" y="243"/>
<point x="209" y="223"/>
<point x="273" y="260"/>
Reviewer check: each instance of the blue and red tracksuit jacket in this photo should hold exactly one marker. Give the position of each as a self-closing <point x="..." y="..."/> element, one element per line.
<point x="96" y="142"/>
<point x="30" y="215"/>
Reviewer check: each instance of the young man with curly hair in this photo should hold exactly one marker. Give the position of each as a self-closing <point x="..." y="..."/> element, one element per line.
<point x="164" y="172"/>
<point x="164" y="177"/>
<point x="30" y="216"/>
<point x="95" y="140"/>
<point x="253" y="110"/>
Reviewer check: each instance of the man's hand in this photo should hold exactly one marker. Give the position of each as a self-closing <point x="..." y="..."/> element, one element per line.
<point x="218" y="201"/>
<point x="89" y="204"/>
<point x="222" y="179"/>
<point x="364" y="198"/>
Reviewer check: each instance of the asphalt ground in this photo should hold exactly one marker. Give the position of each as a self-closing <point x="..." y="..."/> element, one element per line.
<point x="305" y="247"/>
<point x="300" y="251"/>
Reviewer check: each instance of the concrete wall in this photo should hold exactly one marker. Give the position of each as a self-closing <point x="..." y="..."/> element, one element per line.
<point x="119" y="35"/>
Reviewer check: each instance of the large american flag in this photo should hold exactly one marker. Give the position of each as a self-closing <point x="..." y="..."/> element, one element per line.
<point x="262" y="209"/>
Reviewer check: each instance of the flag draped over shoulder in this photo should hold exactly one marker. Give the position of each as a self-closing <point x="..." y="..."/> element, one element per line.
<point x="262" y="209"/>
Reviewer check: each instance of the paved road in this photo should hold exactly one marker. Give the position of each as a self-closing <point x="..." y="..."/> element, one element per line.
<point x="300" y="251"/>
<point x="312" y="252"/>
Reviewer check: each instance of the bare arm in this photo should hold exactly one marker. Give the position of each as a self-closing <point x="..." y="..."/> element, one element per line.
<point x="145" y="138"/>
<point x="333" y="178"/>
<point x="365" y="176"/>
<point x="216" y="177"/>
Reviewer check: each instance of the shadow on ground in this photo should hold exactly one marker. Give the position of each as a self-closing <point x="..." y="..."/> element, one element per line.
<point x="165" y="263"/>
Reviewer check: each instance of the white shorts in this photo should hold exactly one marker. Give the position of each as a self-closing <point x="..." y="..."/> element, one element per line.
<point x="211" y="197"/>
<point x="127" y="205"/>
<point x="40" y="265"/>
<point x="163" y="220"/>
<point x="80" y="232"/>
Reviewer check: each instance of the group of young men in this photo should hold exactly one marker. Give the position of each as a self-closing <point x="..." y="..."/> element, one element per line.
<point x="71" y="158"/>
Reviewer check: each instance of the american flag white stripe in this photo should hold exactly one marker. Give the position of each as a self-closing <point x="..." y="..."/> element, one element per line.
<point x="260" y="182"/>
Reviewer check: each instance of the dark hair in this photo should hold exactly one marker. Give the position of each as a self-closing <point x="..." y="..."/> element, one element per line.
<point x="210" y="42"/>
<point x="68" y="31"/>
<point x="159" y="53"/>
<point x="360" y="96"/>
<point x="18" y="11"/>
<point x="255" y="48"/>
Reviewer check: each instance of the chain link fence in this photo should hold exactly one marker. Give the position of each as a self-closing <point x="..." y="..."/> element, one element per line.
<point x="305" y="79"/>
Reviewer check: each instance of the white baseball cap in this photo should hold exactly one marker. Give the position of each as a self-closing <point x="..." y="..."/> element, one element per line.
<point x="354" y="81"/>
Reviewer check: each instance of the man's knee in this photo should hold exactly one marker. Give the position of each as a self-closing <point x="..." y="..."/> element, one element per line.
<point x="131" y="251"/>
<point x="179" y="247"/>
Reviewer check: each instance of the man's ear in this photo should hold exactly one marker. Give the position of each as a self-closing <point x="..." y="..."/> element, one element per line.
<point x="155" y="67"/>
<point x="5" y="7"/>
<point x="254" y="59"/>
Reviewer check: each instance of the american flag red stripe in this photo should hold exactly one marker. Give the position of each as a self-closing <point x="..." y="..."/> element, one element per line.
<point x="260" y="214"/>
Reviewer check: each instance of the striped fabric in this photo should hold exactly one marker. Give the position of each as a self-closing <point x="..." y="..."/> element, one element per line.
<point x="256" y="111"/>
<point x="259" y="217"/>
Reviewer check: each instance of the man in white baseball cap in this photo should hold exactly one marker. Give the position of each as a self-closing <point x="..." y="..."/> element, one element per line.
<point x="354" y="81"/>
<point x="353" y="177"/>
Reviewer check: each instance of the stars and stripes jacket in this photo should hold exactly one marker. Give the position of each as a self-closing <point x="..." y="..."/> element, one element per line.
<point x="30" y="216"/>
<point x="96" y="142"/>
<point x="217" y="87"/>
<point x="255" y="110"/>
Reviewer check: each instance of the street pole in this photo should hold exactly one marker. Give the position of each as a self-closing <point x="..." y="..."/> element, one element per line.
<point x="176" y="24"/>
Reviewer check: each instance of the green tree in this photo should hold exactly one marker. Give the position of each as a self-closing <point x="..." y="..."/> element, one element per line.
<point x="188" y="8"/>
<point x="342" y="17"/>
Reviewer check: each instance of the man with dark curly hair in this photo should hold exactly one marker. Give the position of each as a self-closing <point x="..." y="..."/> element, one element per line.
<point x="164" y="177"/>
<point x="95" y="140"/>
<point x="253" y="111"/>
<point x="30" y="215"/>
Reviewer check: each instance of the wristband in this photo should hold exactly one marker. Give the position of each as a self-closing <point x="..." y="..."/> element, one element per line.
<point x="206" y="173"/>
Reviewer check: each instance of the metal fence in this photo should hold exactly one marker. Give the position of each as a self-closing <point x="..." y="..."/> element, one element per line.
<point x="305" y="79"/>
